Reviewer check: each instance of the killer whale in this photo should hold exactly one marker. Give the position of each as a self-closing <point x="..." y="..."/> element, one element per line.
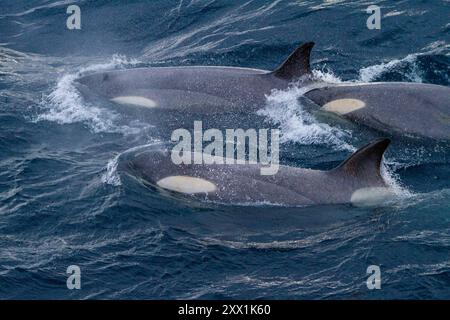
<point x="357" y="180"/>
<point x="197" y="89"/>
<point x="396" y="108"/>
<point x="409" y="109"/>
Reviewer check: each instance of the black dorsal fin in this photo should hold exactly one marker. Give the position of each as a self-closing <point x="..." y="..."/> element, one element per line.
<point x="365" y="163"/>
<point x="297" y="64"/>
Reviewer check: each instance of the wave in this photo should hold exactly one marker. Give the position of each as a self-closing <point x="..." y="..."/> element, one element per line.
<point x="284" y="108"/>
<point x="47" y="6"/>
<point x="392" y="179"/>
<point x="291" y="244"/>
<point x="210" y="35"/>
<point x="408" y="67"/>
<point x="65" y="105"/>
<point x="371" y="73"/>
<point x="111" y="175"/>
<point x="432" y="238"/>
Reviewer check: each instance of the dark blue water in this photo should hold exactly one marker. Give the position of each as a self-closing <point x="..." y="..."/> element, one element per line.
<point x="62" y="202"/>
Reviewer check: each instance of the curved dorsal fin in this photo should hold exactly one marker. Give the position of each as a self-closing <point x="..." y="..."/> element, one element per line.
<point x="365" y="163"/>
<point x="297" y="64"/>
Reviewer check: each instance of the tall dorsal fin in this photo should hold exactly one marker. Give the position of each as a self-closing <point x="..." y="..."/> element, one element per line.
<point x="365" y="163"/>
<point x="297" y="64"/>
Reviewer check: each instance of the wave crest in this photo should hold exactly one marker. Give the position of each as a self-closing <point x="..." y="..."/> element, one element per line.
<point x="65" y="105"/>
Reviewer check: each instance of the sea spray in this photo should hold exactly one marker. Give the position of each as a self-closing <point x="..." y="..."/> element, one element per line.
<point x="284" y="108"/>
<point x="65" y="105"/>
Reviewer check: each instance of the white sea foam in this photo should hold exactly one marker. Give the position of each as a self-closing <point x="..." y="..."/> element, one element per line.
<point x="65" y="105"/>
<point x="284" y="108"/>
<point x="326" y="76"/>
<point x="370" y="73"/>
<point x="393" y="181"/>
<point x="111" y="175"/>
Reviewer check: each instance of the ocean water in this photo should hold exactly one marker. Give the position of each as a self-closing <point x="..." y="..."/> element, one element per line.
<point x="63" y="203"/>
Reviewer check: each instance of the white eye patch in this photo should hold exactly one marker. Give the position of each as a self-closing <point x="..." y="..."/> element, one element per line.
<point x="186" y="184"/>
<point x="343" y="106"/>
<point x="135" y="101"/>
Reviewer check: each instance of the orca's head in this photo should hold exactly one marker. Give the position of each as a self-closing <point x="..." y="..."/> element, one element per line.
<point x="95" y="79"/>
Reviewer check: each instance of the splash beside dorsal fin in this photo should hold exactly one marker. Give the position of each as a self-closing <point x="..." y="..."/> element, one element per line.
<point x="365" y="163"/>
<point x="297" y="64"/>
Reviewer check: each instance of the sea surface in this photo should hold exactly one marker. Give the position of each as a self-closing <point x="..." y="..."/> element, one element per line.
<point x="63" y="203"/>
